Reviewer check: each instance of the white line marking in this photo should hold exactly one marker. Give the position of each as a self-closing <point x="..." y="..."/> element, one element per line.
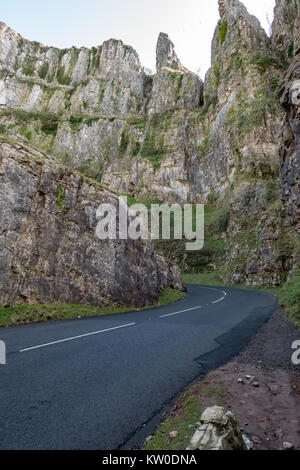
<point x="217" y="301"/>
<point x="220" y="300"/>
<point x="195" y="308"/>
<point x="181" y="311"/>
<point x="77" y="337"/>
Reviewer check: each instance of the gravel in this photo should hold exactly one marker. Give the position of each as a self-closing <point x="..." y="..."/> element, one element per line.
<point x="271" y="347"/>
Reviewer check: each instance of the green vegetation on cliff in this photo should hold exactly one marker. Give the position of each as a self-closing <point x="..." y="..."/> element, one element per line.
<point x="154" y="148"/>
<point x="223" y="31"/>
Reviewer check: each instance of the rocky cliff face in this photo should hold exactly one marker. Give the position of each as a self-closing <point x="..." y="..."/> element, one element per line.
<point x="290" y="100"/>
<point x="290" y="142"/>
<point x="48" y="248"/>
<point x="285" y="32"/>
<point x="97" y="111"/>
<point x="172" y="138"/>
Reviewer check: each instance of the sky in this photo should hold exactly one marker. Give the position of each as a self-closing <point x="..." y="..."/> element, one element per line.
<point x="65" y="23"/>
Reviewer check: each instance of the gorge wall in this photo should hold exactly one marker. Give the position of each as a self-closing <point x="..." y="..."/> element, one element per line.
<point x="228" y="142"/>
<point x="49" y="251"/>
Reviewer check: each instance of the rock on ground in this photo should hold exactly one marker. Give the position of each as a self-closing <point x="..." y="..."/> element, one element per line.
<point x="218" y="431"/>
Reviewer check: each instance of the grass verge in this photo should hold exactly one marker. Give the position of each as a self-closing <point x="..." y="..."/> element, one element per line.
<point x="24" y="314"/>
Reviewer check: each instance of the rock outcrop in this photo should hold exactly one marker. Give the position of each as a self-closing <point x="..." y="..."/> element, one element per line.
<point x="49" y="251"/>
<point x="165" y="54"/>
<point x="290" y="100"/>
<point x="285" y="31"/>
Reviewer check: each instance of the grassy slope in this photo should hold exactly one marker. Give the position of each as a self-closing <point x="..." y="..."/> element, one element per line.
<point x="25" y="314"/>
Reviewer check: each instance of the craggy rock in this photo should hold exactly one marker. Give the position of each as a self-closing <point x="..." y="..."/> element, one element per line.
<point x="285" y="33"/>
<point x="49" y="251"/>
<point x="174" y="87"/>
<point x="170" y="137"/>
<point x="218" y="431"/>
<point x="286" y="38"/>
<point x="166" y="55"/>
<point x="108" y="80"/>
<point x="98" y="111"/>
<point x="290" y="149"/>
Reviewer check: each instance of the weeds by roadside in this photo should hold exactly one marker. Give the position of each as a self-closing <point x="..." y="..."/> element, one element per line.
<point x="37" y="313"/>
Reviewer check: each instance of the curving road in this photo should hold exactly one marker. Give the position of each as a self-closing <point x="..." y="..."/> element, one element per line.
<point x="103" y="383"/>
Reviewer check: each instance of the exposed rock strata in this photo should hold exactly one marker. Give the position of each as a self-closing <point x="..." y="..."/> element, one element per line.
<point x="290" y="100"/>
<point x="49" y="251"/>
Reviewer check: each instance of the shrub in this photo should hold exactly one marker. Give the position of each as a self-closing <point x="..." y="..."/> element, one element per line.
<point x="213" y="197"/>
<point x="43" y="70"/>
<point x="26" y="133"/>
<point x="62" y="77"/>
<point x="135" y="148"/>
<point x="124" y="142"/>
<point x="61" y="53"/>
<point x="75" y="123"/>
<point x="263" y="61"/>
<point x="28" y="67"/>
<point x="291" y="50"/>
<point x="154" y="148"/>
<point x="50" y="126"/>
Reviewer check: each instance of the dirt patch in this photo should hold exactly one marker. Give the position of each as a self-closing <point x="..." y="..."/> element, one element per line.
<point x="261" y="386"/>
<point x="270" y="413"/>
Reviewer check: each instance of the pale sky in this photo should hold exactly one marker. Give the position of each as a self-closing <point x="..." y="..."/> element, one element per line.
<point x="64" y="23"/>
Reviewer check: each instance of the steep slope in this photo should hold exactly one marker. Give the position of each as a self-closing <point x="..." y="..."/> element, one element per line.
<point x="290" y="100"/>
<point x="49" y="251"/>
<point x="290" y="148"/>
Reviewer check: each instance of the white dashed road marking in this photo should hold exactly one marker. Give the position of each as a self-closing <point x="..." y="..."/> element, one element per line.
<point x="76" y="337"/>
<point x="181" y="311"/>
<point x="119" y="327"/>
<point x="195" y="308"/>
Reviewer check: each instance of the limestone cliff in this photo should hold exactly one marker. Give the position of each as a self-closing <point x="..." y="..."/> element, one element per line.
<point x="262" y="244"/>
<point x="170" y="137"/>
<point x="99" y="112"/>
<point x="290" y="100"/>
<point x="49" y="251"/>
<point x="285" y="31"/>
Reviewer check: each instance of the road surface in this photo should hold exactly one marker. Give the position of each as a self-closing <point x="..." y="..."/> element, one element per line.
<point x="103" y="383"/>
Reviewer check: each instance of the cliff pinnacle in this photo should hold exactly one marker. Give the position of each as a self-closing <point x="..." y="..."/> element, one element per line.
<point x="166" y="55"/>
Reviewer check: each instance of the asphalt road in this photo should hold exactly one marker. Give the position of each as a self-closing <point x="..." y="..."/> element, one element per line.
<point x="103" y="383"/>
